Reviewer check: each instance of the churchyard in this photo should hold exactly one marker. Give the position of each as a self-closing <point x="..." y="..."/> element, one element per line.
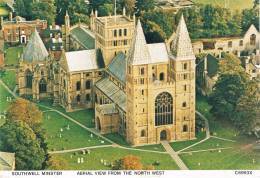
<point x="230" y="151"/>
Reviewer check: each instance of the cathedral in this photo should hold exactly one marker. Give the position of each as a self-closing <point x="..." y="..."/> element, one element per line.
<point x="144" y="92"/>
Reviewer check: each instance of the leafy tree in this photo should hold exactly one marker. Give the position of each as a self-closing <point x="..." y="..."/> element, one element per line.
<point x="224" y="98"/>
<point x="249" y="17"/>
<point x="106" y="9"/>
<point x="144" y="5"/>
<point x="26" y="111"/>
<point x="129" y="162"/>
<point x="129" y="5"/>
<point x="18" y="137"/>
<point x="77" y="9"/>
<point x="229" y="87"/>
<point x="248" y="108"/>
<point x="24" y="8"/>
<point x="57" y="163"/>
<point x="44" y="9"/>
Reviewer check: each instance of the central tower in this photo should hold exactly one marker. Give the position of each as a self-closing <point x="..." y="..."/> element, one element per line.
<point x="113" y="34"/>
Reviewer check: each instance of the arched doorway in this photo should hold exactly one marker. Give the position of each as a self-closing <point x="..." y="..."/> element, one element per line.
<point x="98" y="125"/>
<point x="163" y="135"/>
<point x="43" y="86"/>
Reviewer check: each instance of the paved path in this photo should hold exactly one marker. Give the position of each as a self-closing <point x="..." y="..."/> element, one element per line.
<point x="78" y="149"/>
<point x="211" y="149"/>
<point x="78" y="123"/>
<point x="174" y="155"/>
<point x="8" y="89"/>
<point x="225" y="139"/>
<point x="136" y="149"/>
<point x="206" y="124"/>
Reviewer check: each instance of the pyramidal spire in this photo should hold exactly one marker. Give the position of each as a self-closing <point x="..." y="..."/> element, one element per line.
<point x="182" y="47"/>
<point x="138" y="53"/>
<point x="35" y="49"/>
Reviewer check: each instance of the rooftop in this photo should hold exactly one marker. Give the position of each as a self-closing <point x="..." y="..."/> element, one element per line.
<point x="85" y="37"/>
<point x="82" y="60"/>
<point x="112" y="20"/>
<point x="117" y="67"/>
<point x="107" y="109"/>
<point x="35" y="49"/>
<point x="113" y="92"/>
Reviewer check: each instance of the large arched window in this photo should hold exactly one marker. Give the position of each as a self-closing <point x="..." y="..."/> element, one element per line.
<point x="43" y="86"/>
<point x="253" y="39"/>
<point x="163" y="109"/>
<point x="28" y="78"/>
<point x="78" y="86"/>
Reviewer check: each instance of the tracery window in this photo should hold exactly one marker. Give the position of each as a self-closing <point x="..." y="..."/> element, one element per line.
<point x="163" y="109"/>
<point x="28" y="78"/>
<point x="43" y="86"/>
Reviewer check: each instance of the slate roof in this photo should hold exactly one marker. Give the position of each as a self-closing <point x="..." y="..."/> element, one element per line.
<point x="139" y="53"/>
<point x="84" y="37"/>
<point x="117" y="67"/>
<point x="182" y="47"/>
<point x="6" y="161"/>
<point x="158" y="52"/>
<point x="35" y="49"/>
<point x="113" y="92"/>
<point x="107" y="109"/>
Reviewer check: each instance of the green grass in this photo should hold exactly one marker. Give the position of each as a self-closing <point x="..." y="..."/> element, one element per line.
<point x="228" y="159"/>
<point x="183" y="144"/>
<point x="85" y="117"/>
<point x="231" y="4"/>
<point x="92" y="161"/>
<point x="76" y="137"/>
<point x="211" y="144"/>
<point x="156" y="147"/>
<point x="9" y="78"/>
<point x="12" y="55"/>
<point x="3" y="103"/>
<point x="115" y="137"/>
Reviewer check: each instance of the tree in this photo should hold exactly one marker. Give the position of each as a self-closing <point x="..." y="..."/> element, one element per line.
<point x="144" y="5"/>
<point x="78" y="11"/>
<point x="26" y="111"/>
<point x="45" y="10"/>
<point x="129" y="162"/>
<point x="129" y="5"/>
<point x="249" y="17"/>
<point x="57" y="163"/>
<point x="231" y="64"/>
<point x="226" y="92"/>
<point x="106" y="9"/>
<point x="24" y="8"/>
<point x="19" y="138"/>
<point x="248" y="108"/>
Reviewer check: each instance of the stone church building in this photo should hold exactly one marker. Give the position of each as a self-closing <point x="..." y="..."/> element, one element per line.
<point x="144" y="92"/>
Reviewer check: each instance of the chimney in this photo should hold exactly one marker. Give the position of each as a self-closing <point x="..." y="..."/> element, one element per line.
<point x="124" y="11"/>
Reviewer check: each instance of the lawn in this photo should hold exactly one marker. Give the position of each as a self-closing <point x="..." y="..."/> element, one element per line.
<point x="155" y="147"/>
<point x="85" y="117"/>
<point x="226" y="159"/>
<point x="9" y="78"/>
<point x="3" y="102"/>
<point x="93" y="160"/>
<point x="231" y="4"/>
<point x="12" y="55"/>
<point x="75" y="137"/>
<point x="179" y="145"/>
<point x="212" y="143"/>
<point x="115" y="137"/>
